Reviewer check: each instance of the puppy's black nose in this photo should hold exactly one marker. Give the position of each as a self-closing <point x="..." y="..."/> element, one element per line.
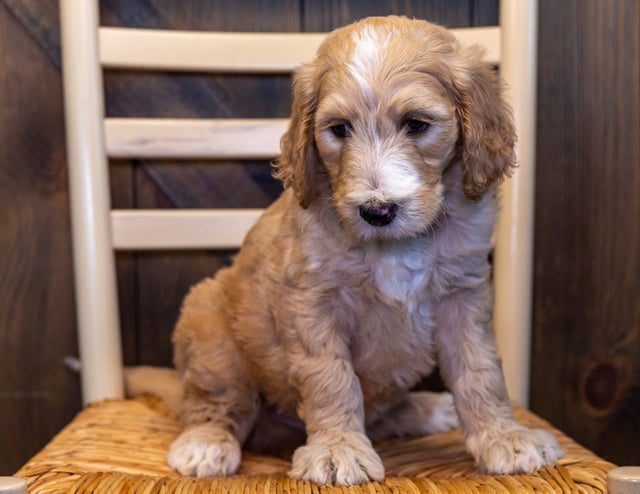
<point x="379" y="214"/>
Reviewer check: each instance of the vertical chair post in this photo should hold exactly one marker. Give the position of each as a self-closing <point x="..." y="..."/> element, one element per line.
<point x="514" y="234"/>
<point x="95" y="282"/>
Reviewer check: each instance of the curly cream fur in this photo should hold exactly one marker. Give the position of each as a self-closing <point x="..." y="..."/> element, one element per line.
<point x="332" y="314"/>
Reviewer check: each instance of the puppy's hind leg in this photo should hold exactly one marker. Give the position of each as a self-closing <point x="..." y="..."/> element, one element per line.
<point x="420" y="413"/>
<point x="220" y="402"/>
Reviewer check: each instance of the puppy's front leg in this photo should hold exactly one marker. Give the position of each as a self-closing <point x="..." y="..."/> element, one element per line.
<point x="337" y="449"/>
<point x="471" y="367"/>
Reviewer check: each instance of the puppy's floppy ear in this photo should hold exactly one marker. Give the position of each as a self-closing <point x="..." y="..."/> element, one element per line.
<point x="487" y="131"/>
<point x="297" y="166"/>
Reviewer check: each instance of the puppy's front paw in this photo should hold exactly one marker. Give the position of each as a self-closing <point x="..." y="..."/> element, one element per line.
<point x="515" y="450"/>
<point x="205" y="450"/>
<point x="343" y="458"/>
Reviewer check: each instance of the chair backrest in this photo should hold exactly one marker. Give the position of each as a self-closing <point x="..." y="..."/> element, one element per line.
<point x="92" y="139"/>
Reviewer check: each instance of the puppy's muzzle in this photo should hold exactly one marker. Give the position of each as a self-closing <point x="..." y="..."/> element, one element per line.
<point x="379" y="214"/>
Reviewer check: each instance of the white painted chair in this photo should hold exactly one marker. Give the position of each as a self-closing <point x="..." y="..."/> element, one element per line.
<point x="98" y="230"/>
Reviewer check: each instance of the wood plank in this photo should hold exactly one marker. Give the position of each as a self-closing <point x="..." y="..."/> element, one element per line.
<point x="38" y="395"/>
<point x="195" y="184"/>
<point x="323" y="15"/>
<point x="485" y="13"/>
<point x="40" y="21"/>
<point x="194" y="138"/>
<point x="204" y="15"/>
<point x="586" y="359"/>
<point x="181" y="229"/>
<point x="123" y="197"/>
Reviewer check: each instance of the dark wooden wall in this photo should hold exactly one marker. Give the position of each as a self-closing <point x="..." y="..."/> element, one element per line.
<point x="37" y="394"/>
<point x="588" y="249"/>
<point x="586" y="356"/>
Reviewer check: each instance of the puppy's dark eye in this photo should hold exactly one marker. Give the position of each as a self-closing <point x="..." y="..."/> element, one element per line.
<point x="341" y="130"/>
<point x="415" y="127"/>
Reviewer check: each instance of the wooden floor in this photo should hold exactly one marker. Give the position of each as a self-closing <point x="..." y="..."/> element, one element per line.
<point x="586" y="375"/>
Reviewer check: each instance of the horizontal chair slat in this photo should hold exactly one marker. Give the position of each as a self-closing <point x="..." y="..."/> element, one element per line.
<point x="254" y="53"/>
<point x="181" y="229"/>
<point x="194" y="138"/>
<point x="251" y="53"/>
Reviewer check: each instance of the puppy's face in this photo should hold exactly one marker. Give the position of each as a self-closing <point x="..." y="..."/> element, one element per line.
<point x="379" y="116"/>
<point x="384" y="131"/>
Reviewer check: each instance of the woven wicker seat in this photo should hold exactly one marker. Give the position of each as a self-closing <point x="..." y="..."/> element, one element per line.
<point x="121" y="445"/>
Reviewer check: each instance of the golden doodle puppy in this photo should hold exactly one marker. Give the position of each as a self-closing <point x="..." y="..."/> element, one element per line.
<point x="370" y="269"/>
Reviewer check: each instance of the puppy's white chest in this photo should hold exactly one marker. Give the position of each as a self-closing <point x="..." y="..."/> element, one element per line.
<point x="401" y="276"/>
<point x="395" y="343"/>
